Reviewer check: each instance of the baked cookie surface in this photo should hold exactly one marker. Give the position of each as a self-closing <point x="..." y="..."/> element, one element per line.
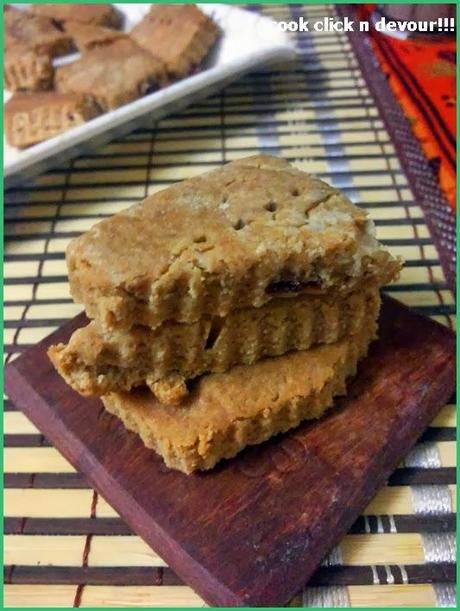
<point x="165" y="358"/>
<point x="25" y="70"/>
<point x="237" y="237"/>
<point x="244" y="406"/>
<point x="114" y="74"/>
<point x="88" y="36"/>
<point x="179" y="35"/>
<point x="95" y="14"/>
<point x="30" y="118"/>
<point x="37" y="33"/>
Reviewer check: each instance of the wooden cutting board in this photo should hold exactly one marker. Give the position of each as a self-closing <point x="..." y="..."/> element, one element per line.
<point x="252" y="531"/>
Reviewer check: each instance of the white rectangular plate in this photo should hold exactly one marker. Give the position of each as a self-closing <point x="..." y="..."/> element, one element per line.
<point x="247" y="40"/>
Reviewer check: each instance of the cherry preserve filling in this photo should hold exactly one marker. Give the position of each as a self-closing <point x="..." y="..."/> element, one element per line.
<point x="291" y="286"/>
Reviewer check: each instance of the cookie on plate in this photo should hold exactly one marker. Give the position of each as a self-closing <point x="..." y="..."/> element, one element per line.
<point x="37" y="33"/>
<point x="33" y="117"/>
<point x="88" y="36"/>
<point x="114" y="74"/>
<point x="95" y="14"/>
<point x="26" y="70"/>
<point x="179" y="35"/>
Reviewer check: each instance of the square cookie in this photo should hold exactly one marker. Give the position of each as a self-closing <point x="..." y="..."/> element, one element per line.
<point x="95" y="14"/>
<point x="244" y="406"/>
<point x="179" y="35"/>
<point x="113" y="74"/>
<point x="236" y="237"/>
<point x="33" y="117"/>
<point x="166" y="358"/>
<point x="88" y="36"/>
<point x="26" y="70"/>
<point x="39" y="34"/>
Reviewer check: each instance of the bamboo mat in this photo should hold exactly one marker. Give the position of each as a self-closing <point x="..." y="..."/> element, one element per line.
<point x="64" y="545"/>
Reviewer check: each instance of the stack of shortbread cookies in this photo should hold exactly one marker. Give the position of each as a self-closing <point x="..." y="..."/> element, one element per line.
<point x="225" y="309"/>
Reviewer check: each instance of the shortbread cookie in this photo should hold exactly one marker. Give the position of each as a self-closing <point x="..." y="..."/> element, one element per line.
<point x="113" y="74"/>
<point x="233" y="238"/>
<point x="93" y="14"/>
<point x="37" y="33"/>
<point x="244" y="406"/>
<point x="179" y="35"/>
<point x="88" y="37"/>
<point x="26" y="70"/>
<point x="166" y="357"/>
<point x="33" y="117"/>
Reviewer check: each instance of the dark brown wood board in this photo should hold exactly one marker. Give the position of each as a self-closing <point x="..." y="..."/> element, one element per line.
<point x="253" y="530"/>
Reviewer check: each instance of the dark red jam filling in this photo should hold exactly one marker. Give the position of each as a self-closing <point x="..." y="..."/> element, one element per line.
<point x="290" y="286"/>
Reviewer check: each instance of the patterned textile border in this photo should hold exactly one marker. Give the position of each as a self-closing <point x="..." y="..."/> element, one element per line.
<point x="439" y="216"/>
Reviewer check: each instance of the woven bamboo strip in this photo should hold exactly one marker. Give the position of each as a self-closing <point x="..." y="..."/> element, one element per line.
<point x="60" y="310"/>
<point x="421" y="595"/>
<point x="130" y="550"/>
<point x="39" y="595"/>
<point x="108" y="209"/>
<point x="140" y="596"/>
<point x="130" y="160"/>
<point x="398" y="232"/>
<point x="442" y="319"/>
<point x="39" y="503"/>
<point x="424" y="298"/>
<point x="446" y="417"/>
<point x="108" y="551"/>
<point x="63" y="550"/>
<point x="15" y="423"/>
<point x="19" y="269"/>
<point x="421" y="274"/>
<point x="34" y="550"/>
<point x="404" y="548"/>
<point x="127" y="147"/>
<point x="33" y="335"/>
<point x="447" y="453"/>
<point x="12" y="312"/>
<point x="93" y="192"/>
<point x="35" y="460"/>
<point x="128" y="175"/>
<point x="394" y="500"/>
<point x="24" y="248"/>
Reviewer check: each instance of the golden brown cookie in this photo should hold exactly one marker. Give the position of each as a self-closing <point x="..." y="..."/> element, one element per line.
<point x="244" y="406"/>
<point x="88" y="36"/>
<point x="33" y="117"/>
<point x="37" y="33"/>
<point x="114" y="74"/>
<point x="237" y="237"/>
<point x="95" y="14"/>
<point x="94" y="363"/>
<point x="180" y="35"/>
<point x="26" y="70"/>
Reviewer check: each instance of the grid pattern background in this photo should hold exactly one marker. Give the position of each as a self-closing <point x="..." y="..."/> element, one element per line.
<point x="64" y="545"/>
